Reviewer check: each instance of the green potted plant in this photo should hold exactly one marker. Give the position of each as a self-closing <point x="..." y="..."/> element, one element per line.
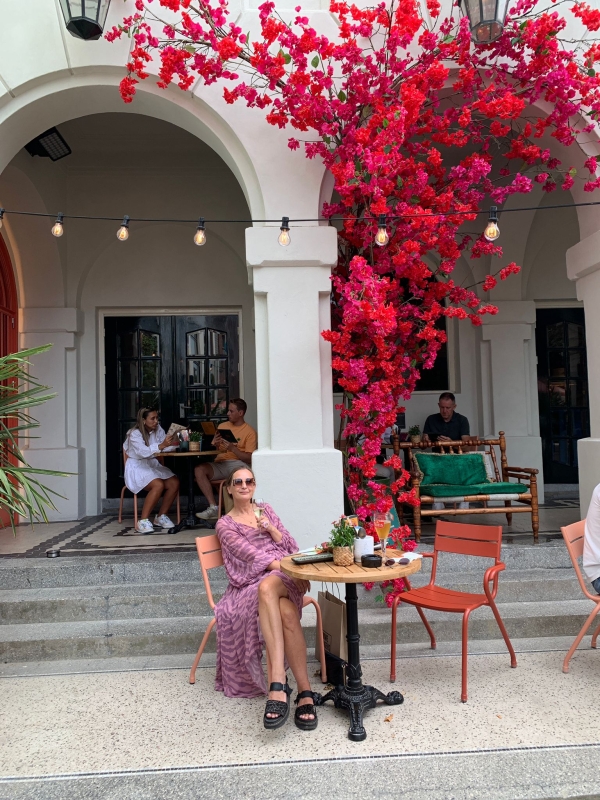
<point x="195" y="438"/>
<point x="342" y="542"/>
<point x="414" y="433"/>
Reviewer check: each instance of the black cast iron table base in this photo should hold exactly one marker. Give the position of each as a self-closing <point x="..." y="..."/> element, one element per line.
<point x="355" y="697"/>
<point x="190" y="521"/>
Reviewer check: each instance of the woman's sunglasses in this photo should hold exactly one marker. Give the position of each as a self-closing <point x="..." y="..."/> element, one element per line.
<point x="242" y="481"/>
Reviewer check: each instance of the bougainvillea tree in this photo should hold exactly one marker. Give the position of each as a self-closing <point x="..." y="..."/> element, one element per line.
<point x="415" y="123"/>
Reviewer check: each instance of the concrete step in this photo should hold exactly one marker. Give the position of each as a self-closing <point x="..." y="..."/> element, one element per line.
<point x="135" y="637"/>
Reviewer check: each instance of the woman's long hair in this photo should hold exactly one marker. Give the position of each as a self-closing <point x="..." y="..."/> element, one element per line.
<point x="139" y="425"/>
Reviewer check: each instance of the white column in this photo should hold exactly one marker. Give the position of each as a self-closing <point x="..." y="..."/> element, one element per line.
<point x="583" y="266"/>
<point x="509" y="383"/>
<point x="56" y="446"/>
<point x="297" y="468"/>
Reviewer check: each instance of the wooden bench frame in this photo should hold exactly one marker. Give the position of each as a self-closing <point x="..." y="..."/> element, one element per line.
<point x="528" y="501"/>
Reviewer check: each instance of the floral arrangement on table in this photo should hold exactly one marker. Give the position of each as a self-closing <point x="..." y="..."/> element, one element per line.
<point x="342" y="533"/>
<point x="421" y="130"/>
<point x="195" y="436"/>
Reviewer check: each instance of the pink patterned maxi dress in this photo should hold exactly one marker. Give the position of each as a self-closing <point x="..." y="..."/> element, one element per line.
<point x="247" y="553"/>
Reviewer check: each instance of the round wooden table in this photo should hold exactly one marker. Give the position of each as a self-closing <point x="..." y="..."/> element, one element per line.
<point x="190" y="521"/>
<point x="355" y="697"/>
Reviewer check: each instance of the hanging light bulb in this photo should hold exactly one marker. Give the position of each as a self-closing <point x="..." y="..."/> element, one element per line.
<point x="57" y="228"/>
<point x="284" y="237"/>
<point x="200" y="235"/>
<point x="492" y="231"/>
<point x="382" y="237"/>
<point x="1" y="216"/>
<point x="123" y="232"/>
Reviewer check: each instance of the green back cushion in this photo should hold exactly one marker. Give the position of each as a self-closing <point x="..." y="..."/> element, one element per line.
<point x="448" y="490"/>
<point x="461" y="469"/>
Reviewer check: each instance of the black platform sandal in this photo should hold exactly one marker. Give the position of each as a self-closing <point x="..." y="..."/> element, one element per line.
<point x="277" y="707"/>
<point x="305" y="724"/>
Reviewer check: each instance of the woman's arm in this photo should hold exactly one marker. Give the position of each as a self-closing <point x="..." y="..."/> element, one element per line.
<point x="160" y="438"/>
<point x="135" y="447"/>
<point x="284" y="537"/>
<point x="244" y="562"/>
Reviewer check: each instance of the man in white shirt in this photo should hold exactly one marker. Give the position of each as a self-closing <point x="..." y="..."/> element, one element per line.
<point x="591" y="544"/>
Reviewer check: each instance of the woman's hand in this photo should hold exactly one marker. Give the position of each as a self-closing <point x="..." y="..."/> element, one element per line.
<point x="304" y="586"/>
<point x="168" y="442"/>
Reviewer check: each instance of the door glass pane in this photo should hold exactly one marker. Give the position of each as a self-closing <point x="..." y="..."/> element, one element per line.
<point x="128" y="375"/>
<point x="556" y="363"/>
<point x="558" y="390"/>
<point x="196" y="372"/>
<point x="577" y="364"/>
<point x="581" y="422"/>
<point x="150" y="344"/>
<point x="559" y="422"/>
<point x="560" y="451"/>
<point x="217" y="399"/>
<point x="196" y="343"/>
<point x="150" y="374"/>
<point x="197" y="402"/>
<point x="217" y="372"/>
<point x="575" y="335"/>
<point x="128" y="345"/>
<point x="578" y="393"/>
<point x="555" y="334"/>
<point x="217" y="343"/>
<point x="129" y="405"/>
<point x="151" y="400"/>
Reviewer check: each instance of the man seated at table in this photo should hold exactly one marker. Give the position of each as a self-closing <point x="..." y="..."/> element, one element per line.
<point x="447" y="426"/>
<point x="231" y="457"/>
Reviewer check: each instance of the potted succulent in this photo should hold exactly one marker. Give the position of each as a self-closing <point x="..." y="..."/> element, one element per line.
<point x="414" y="434"/>
<point x="195" y="437"/>
<point x="342" y="542"/>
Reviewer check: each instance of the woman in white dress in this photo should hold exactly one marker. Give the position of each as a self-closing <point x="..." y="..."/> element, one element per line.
<point x="144" y="442"/>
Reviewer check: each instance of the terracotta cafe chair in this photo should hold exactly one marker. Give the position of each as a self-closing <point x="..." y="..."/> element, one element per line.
<point x="209" y="553"/>
<point x="466" y="540"/>
<point x="574" y="536"/>
<point x="135" y="499"/>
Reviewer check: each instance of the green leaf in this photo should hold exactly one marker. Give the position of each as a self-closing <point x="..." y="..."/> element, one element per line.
<point x="287" y="58"/>
<point x="379" y="598"/>
<point x="591" y="73"/>
<point x="315" y="62"/>
<point x="341" y="95"/>
<point x="399" y="182"/>
<point x="190" y="48"/>
<point x="385" y="123"/>
<point x="572" y="172"/>
<point x="387" y="148"/>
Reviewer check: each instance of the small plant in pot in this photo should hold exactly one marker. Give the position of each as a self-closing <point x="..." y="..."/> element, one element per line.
<point x="342" y="542"/>
<point x="414" y="434"/>
<point x="195" y="438"/>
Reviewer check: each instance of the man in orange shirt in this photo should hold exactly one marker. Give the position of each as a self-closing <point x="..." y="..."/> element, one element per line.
<point x="232" y="456"/>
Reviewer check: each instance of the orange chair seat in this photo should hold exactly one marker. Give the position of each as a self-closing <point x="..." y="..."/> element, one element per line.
<point x="437" y="598"/>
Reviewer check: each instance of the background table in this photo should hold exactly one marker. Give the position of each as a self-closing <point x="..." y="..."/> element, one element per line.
<point x="190" y="521"/>
<point x="355" y="697"/>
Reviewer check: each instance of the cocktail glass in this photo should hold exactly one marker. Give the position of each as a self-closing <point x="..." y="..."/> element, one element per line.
<point x="383" y="523"/>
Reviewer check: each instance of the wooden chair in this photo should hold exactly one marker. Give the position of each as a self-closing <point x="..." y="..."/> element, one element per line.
<point x="468" y="540"/>
<point x="135" y="504"/>
<point x="574" y="537"/>
<point x="524" y="502"/>
<point x="210" y="555"/>
<point x="218" y="490"/>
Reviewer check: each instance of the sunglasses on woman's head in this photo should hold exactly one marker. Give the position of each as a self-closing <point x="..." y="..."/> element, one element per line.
<point x="242" y="481"/>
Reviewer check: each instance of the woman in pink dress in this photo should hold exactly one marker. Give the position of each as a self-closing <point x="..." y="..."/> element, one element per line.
<point x="261" y="605"/>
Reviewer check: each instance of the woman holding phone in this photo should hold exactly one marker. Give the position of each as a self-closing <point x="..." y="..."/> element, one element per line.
<point x="144" y="442"/>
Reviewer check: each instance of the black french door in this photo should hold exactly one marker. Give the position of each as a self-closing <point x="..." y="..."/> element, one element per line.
<point x="562" y="390"/>
<point x="187" y="367"/>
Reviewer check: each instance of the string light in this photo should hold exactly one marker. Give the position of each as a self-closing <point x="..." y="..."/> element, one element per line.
<point x="382" y="236"/>
<point x="200" y="235"/>
<point x="1" y="216"/>
<point x="492" y="231"/>
<point x="57" y="229"/>
<point x="123" y="232"/>
<point x="284" y="237"/>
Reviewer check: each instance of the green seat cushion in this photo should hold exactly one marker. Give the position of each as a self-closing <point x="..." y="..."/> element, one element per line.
<point x="457" y="469"/>
<point x="456" y="490"/>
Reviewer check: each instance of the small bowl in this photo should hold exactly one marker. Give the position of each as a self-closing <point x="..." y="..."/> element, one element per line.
<point x="371" y="561"/>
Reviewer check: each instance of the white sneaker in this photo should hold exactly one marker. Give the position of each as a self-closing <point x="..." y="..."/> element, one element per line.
<point x="163" y="521"/>
<point x="212" y="512"/>
<point x="437" y="506"/>
<point x="144" y="526"/>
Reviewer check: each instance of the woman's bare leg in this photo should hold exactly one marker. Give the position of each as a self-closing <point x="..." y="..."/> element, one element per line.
<point x="295" y="649"/>
<point x="155" y="489"/>
<point x="270" y="592"/>
<point x="171" y="487"/>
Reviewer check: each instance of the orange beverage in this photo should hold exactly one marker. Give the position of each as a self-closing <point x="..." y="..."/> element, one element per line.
<point x="382" y="523"/>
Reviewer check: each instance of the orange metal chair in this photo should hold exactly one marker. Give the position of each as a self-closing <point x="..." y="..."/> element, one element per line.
<point x="135" y="503"/>
<point x="468" y="540"/>
<point x="574" y="537"/>
<point x="210" y="555"/>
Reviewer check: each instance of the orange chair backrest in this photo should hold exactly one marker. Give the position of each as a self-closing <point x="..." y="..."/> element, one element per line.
<point x="210" y="555"/>
<point x="574" y="536"/>
<point x="468" y="540"/>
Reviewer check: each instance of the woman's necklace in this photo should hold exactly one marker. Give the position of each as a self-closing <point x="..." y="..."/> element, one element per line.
<point x="247" y="519"/>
